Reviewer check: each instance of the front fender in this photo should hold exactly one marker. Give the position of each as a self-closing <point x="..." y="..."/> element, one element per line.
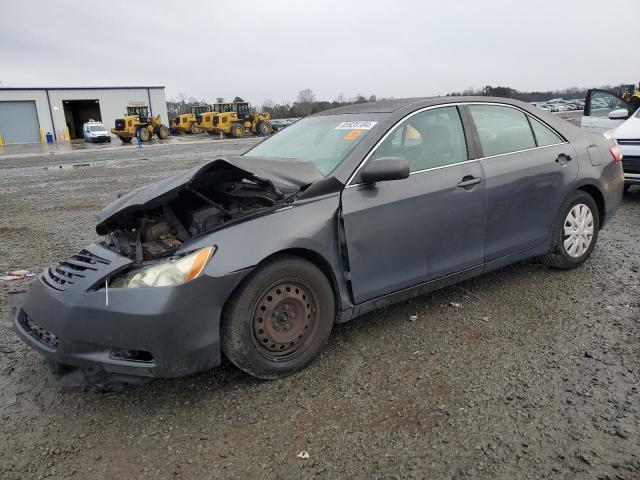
<point x="310" y="225"/>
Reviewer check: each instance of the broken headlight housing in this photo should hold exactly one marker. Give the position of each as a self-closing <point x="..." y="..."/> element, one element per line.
<point x="174" y="271"/>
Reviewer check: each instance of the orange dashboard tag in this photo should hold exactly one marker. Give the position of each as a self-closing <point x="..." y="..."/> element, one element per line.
<point x="352" y="135"/>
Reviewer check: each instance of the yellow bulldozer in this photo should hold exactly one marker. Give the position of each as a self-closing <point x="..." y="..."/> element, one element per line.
<point x="234" y="119"/>
<point x="138" y="123"/>
<point x="631" y="95"/>
<point x="188" y="122"/>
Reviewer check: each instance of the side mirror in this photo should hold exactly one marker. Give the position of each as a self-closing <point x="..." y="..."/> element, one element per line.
<point x="619" y="114"/>
<point x="385" y="168"/>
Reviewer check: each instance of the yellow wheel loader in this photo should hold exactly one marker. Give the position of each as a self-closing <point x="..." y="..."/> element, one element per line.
<point x="188" y="122"/>
<point x="234" y="120"/>
<point x="137" y="122"/>
<point x="631" y="95"/>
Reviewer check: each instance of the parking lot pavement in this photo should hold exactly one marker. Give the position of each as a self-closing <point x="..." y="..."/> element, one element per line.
<point x="523" y="373"/>
<point x="572" y="116"/>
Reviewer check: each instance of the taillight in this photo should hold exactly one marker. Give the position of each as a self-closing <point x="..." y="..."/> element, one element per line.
<point x="616" y="153"/>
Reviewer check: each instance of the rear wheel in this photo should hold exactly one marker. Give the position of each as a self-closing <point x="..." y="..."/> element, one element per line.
<point x="279" y="320"/>
<point x="575" y="233"/>
<point x="237" y="130"/>
<point x="163" y="132"/>
<point x="144" y="134"/>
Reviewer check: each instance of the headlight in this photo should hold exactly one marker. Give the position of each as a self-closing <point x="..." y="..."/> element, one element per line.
<point x="168" y="273"/>
<point x="609" y="133"/>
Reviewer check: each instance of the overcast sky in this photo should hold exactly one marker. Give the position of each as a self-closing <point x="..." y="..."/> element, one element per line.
<point x="273" y="49"/>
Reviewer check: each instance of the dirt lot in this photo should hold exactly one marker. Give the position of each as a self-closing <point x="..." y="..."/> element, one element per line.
<point x="522" y="373"/>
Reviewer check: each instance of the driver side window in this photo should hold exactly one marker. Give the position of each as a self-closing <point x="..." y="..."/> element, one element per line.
<point x="433" y="138"/>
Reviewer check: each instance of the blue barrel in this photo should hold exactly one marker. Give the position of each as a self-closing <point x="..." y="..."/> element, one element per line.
<point x="49" y="137"/>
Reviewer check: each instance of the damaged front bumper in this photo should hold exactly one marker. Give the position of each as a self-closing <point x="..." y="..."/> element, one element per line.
<point x="149" y="332"/>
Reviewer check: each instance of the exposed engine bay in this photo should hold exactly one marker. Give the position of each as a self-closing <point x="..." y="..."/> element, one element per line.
<point x="211" y="200"/>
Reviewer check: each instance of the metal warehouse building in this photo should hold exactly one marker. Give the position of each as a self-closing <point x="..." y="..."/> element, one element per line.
<point x="29" y="114"/>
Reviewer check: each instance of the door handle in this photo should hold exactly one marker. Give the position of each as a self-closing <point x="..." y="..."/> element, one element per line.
<point x="469" y="181"/>
<point x="562" y="158"/>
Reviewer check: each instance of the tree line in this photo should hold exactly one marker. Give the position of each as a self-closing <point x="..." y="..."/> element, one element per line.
<point x="306" y="102"/>
<point x="535" y="96"/>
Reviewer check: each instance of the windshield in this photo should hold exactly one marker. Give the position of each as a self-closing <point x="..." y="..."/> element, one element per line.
<point x="97" y="128"/>
<point x="324" y="140"/>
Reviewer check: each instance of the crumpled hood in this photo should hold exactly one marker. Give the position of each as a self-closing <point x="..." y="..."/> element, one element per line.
<point x="283" y="172"/>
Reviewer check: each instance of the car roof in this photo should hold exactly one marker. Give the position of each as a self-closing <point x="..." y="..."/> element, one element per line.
<point x="394" y="105"/>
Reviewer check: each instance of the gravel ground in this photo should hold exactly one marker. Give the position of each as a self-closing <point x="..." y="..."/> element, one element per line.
<point x="522" y="373"/>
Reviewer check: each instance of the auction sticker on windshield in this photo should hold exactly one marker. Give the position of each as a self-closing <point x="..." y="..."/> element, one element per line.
<point x="356" y="125"/>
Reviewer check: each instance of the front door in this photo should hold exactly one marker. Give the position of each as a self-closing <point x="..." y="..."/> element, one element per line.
<point x="405" y="232"/>
<point x="598" y="105"/>
<point x="529" y="169"/>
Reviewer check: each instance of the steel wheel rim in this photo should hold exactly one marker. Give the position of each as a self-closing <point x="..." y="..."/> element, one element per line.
<point x="578" y="230"/>
<point x="284" y="319"/>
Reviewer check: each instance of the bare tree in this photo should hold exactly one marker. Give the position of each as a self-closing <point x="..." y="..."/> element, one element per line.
<point x="306" y="99"/>
<point x="268" y="105"/>
<point x="340" y="98"/>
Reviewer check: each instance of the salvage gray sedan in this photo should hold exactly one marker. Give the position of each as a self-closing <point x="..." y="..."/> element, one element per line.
<point x="257" y="256"/>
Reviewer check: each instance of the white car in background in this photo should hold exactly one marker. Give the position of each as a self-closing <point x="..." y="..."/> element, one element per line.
<point x="628" y="137"/>
<point x="606" y="113"/>
<point x="93" y="132"/>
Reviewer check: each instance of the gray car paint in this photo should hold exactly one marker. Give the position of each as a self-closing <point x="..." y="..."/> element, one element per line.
<point x="180" y="325"/>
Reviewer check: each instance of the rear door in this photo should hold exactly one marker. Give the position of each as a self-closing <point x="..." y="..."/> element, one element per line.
<point x="405" y="232"/>
<point x="528" y="169"/>
<point x="598" y="105"/>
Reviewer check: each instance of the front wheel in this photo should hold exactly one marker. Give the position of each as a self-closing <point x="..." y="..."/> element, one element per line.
<point x="279" y="319"/>
<point x="163" y="132"/>
<point x="264" y="128"/>
<point x="575" y="233"/>
<point x="144" y="134"/>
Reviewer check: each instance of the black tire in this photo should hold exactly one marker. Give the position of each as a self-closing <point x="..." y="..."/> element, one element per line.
<point x="163" y="132"/>
<point x="212" y="133"/>
<point x="144" y="134"/>
<point x="298" y="306"/>
<point x="237" y="130"/>
<point x="558" y="257"/>
<point x="264" y="128"/>
<point x="126" y="139"/>
<point x="626" y="188"/>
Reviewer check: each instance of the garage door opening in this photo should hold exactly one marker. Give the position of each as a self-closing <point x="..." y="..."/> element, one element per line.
<point x="79" y="112"/>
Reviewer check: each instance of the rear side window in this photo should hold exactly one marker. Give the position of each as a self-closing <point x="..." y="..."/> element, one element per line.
<point x="544" y="135"/>
<point x="501" y="129"/>
<point x="433" y="138"/>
